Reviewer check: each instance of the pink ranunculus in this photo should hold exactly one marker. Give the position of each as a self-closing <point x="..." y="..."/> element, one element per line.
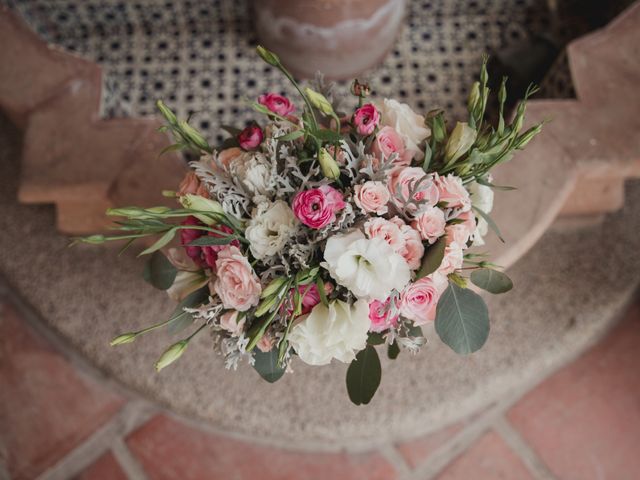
<point x="188" y="235"/>
<point x="251" y="137"/>
<point x="405" y="179"/>
<point x="452" y="192"/>
<point x="277" y="103"/>
<point x="419" y="299"/>
<point x="229" y="322"/>
<point x="387" y="142"/>
<point x="210" y="252"/>
<point x="461" y="231"/>
<point x="430" y="223"/>
<point x="236" y="283"/>
<point x="372" y="197"/>
<point x="453" y="259"/>
<point x="382" y="315"/>
<point x="228" y="155"/>
<point x="390" y="232"/>
<point x="366" y="119"/>
<point x="317" y="207"/>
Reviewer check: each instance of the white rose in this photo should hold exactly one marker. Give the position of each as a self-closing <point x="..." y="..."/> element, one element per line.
<point x="254" y="171"/>
<point x="406" y="122"/>
<point x="336" y="331"/>
<point x="270" y="228"/>
<point x="370" y="268"/>
<point x="482" y="199"/>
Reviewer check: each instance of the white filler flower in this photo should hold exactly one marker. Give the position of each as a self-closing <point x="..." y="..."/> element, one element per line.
<point x="270" y="228"/>
<point x="370" y="268"/>
<point x="336" y="331"/>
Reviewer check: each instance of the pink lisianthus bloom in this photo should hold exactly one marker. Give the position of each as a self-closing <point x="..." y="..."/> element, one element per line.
<point x="317" y="207"/>
<point x="388" y="142"/>
<point x="236" y="283"/>
<point x="418" y="301"/>
<point x="277" y="104"/>
<point x="430" y="223"/>
<point x="366" y="119"/>
<point x="405" y="179"/>
<point x="382" y="315"/>
<point x="250" y="138"/>
<point x="452" y="192"/>
<point x="372" y="197"/>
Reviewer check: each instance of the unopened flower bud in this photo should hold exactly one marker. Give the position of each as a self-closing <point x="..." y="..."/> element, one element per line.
<point x="196" y="202"/>
<point x="361" y="90"/>
<point x="194" y="136"/>
<point x="273" y="287"/>
<point x="124" y="338"/>
<point x="474" y="97"/>
<point x="458" y="280"/>
<point x="460" y="141"/>
<point x="328" y="164"/>
<point x="268" y="56"/>
<point x="435" y="121"/>
<point x="167" y="113"/>
<point x="319" y="101"/>
<point x="171" y="354"/>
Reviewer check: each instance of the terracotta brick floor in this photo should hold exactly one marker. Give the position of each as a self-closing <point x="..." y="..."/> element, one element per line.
<point x="60" y="420"/>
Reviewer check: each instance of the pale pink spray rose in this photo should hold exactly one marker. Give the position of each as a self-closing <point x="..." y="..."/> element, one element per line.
<point x="382" y="315"/>
<point x="266" y="343"/>
<point x="317" y="207"/>
<point x="236" y="283"/>
<point x="405" y="179"/>
<point x="366" y="119"/>
<point x="452" y="192"/>
<point x="229" y="322"/>
<point x="390" y="232"/>
<point x="430" y="223"/>
<point x="453" y="259"/>
<point x="405" y="240"/>
<point x="277" y="103"/>
<point x="388" y="142"/>
<point x="250" y="138"/>
<point x="372" y="197"/>
<point x="460" y="233"/>
<point x="418" y="301"/>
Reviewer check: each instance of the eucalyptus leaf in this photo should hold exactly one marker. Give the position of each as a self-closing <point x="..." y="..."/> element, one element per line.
<point x="462" y="319"/>
<point x="433" y="258"/>
<point x="208" y="240"/>
<point x="491" y="280"/>
<point x="485" y="182"/>
<point x="393" y="351"/>
<point x="180" y="319"/>
<point x="266" y="364"/>
<point x="159" y="271"/>
<point x="363" y="376"/>
<point x="490" y="222"/>
<point x="375" y="338"/>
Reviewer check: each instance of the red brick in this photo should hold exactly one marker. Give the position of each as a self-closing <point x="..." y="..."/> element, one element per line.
<point x="105" y="468"/>
<point x="47" y="408"/>
<point x="490" y="458"/>
<point x="191" y="454"/>
<point x="584" y="421"/>
<point x="418" y="450"/>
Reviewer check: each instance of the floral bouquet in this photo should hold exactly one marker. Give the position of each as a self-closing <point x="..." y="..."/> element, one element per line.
<point x="325" y="234"/>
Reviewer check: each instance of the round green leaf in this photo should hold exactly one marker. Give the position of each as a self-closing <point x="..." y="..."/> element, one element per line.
<point x="393" y="350"/>
<point x="462" y="319"/>
<point x="266" y="364"/>
<point x="491" y="280"/>
<point x="433" y="258"/>
<point x="363" y="376"/>
<point x="159" y="271"/>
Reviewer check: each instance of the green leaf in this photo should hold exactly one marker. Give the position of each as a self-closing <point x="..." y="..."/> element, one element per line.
<point x="427" y="157"/>
<point x="171" y="148"/>
<point x="462" y="320"/>
<point x="291" y="136"/>
<point x="375" y="338"/>
<point x="327" y="136"/>
<point x="159" y="271"/>
<point x="485" y="182"/>
<point x="491" y="280"/>
<point x="490" y="222"/>
<point x="321" y="291"/>
<point x="393" y="351"/>
<point x="180" y="319"/>
<point x="266" y="364"/>
<point x="433" y="258"/>
<point x="207" y="240"/>
<point x="415" y="331"/>
<point x="161" y="242"/>
<point x="363" y="376"/>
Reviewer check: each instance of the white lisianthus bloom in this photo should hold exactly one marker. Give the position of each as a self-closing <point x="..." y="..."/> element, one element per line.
<point x="254" y="171"/>
<point x="406" y="122"/>
<point x="369" y="267"/>
<point x="271" y="225"/>
<point x="482" y="199"/>
<point x="338" y="331"/>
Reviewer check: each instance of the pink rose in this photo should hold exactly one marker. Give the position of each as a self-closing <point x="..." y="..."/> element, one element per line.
<point x="413" y="250"/>
<point x="389" y="231"/>
<point x="430" y="223"/>
<point x="277" y="104"/>
<point x="236" y="283"/>
<point x="228" y="155"/>
<point x="419" y="299"/>
<point x="250" y="138"/>
<point x="366" y="119"/>
<point x="452" y="192"/>
<point x="317" y="207"/>
<point x="188" y="235"/>
<point x="372" y="197"/>
<point x="229" y="322"/>
<point x="461" y="231"/>
<point x="453" y="259"/>
<point x="405" y="179"/>
<point x="387" y="142"/>
<point x="382" y="315"/>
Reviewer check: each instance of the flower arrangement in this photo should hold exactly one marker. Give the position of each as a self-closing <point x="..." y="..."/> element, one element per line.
<point x="325" y="234"/>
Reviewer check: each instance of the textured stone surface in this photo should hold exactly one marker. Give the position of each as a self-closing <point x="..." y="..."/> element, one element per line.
<point x="105" y="468"/>
<point x="488" y="459"/>
<point x="192" y="455"/>
<point x="584" y="421"/>
<point x="42" y="393"/>
<point x="418" y="450"/>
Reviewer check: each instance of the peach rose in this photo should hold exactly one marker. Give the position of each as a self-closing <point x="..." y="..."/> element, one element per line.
<point x="227" y="156"/>
<point x="189" y="184"/>
<point x="385" y="229"/>
<point x="452" y="192"/>
<point x="405" y="179"/>
<point x="266" y="343"/>
<point x="387" y="142"/>
<point x="372" y="197"/>
<point x="229" y="322"/>
<point x="430" y="223"/>
<point x="236" y="283"/>
<point x="418" y="301"/>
